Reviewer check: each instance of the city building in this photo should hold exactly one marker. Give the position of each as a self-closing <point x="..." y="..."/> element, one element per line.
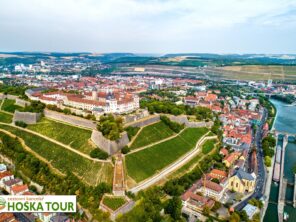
<point x="242" y="181"/>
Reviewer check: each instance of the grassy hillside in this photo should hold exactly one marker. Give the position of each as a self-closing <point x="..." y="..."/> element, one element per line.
<point x="5" y="118"/>
<point x="65" y="160"/>
<point x="75" y="137"/>
<point x="114" y="202"/>
<point x="9" y="106"/>
<point x="208" y="146"/>
<point x="143" y="164"/>
<point x="151" y="134"/>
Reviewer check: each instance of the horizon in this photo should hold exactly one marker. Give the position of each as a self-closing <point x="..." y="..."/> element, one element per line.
<point x="147" y="54"/>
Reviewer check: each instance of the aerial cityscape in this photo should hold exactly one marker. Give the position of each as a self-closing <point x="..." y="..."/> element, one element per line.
<point x="109" y="113"/>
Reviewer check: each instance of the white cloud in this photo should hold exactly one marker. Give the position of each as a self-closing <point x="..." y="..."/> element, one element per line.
<point x="134" y="21"/>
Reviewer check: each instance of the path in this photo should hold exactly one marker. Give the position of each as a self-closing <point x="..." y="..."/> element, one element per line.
<point x="155" y="143"/>
<point x="57" y="142"/>
<point x="177" y="164"/>
<point x="135" y="136"/>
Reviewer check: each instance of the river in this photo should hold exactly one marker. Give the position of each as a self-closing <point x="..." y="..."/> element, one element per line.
<point x="285" y="121"/>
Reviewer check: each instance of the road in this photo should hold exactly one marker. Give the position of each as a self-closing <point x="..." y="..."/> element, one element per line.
<point x="177" y="164"/>
<point x="260" y="182"/>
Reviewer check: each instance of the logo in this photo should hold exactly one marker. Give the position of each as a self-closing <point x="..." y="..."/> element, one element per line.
<point x="2" y="203"/>
<point x="38" y="204"/>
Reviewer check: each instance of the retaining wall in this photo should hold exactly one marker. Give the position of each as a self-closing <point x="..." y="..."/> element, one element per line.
<point x="27" y="117"/>
<point x="109" y="146"/>
<point x="3" y="96"/>
<point x="74" y="120"/>
<point x="183" y="120"/>
<point x="21" y="102"/>
<point x="135" y="117"/>
<point x="145" y="122"/>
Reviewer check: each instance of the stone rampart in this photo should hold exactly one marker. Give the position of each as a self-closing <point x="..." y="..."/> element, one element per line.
<point x="74" y="120"/>
<point x="183" y="120"/>
<point x="21" y="102"/>
<point x="27" y="117"/>
<point x="144" y="122"/>
<point x="109" y="146"/>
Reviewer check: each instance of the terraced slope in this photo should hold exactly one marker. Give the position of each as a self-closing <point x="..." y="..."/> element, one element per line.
<point x="64" y="160"/>
<point x="75" y="137"/>
<point x="145" y="163"/>
<point x="152" y="133"/>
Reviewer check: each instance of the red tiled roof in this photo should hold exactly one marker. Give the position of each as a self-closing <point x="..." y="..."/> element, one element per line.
<point x="224" y="151"/>
<point x="6" y="217"/>
<point x="19" y="188"/>
<point x="220" y="173"/>
<point x="5" y="174"/>
<point x="213" y="186"/>
<point x="87" y="101"/>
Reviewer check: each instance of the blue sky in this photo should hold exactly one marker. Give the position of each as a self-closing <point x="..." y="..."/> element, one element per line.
<point x="149" y="26"/>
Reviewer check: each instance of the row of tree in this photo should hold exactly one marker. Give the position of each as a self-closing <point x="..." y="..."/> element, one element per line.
<point x="155" y="106"/>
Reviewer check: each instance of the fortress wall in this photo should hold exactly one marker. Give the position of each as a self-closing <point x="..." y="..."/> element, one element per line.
<point x="27" y="117"/>
<point x="135" y="117"/>
<point x="21" y="102"/>
<point x="183" y="120"/>
<point x="74" y="120"/>
<point x="145" y="122"/>
<point x="3" y="96"/>
<point x="109" y="146"/>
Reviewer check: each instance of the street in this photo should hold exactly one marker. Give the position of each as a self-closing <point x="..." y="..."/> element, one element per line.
<point x="258" y="193"/>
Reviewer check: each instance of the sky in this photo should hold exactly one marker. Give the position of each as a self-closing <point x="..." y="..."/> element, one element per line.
<point x="149" y="26"/>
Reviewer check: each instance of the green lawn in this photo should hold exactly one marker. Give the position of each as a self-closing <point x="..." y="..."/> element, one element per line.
<point x="77" y="138"/>
<point x="208" y="146"/>
<point x="151" y="134"/>
<point x="114" y="202"/>
<point x="5" y="118"/>
<point x="9" y="106"/>
<point x="65" y="160"/>
<point x="143" y="164"/>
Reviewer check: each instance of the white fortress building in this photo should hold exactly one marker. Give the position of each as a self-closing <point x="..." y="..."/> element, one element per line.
<point x="107" y="101"/>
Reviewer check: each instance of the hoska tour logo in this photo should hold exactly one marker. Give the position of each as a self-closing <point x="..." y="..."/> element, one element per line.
<point x="38" y="204"/>
<point x="2" y="203"/>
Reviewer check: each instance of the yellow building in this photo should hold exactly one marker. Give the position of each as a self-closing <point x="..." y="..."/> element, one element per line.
<point x="242" y="182"/>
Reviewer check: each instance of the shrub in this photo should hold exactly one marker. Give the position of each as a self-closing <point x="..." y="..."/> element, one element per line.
<point x="125" y="150"/>
<point x="176" y="127"/>
<point x="21" y="124"/>
<point x="99" y="154"/>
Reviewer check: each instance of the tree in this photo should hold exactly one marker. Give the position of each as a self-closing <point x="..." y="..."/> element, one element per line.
<point x="110" y="126"/>
<point x="206" y="210"/>
<point x="234" y="217"/>
<point x="174" y="207"/>
<point x="99" y="154"/>
<point x="21" y="124"/>
<point x="244" y="215"/>
<point x="216" y="206"/>
<point x="267" y="161"/>
<point x="125" y="150"/>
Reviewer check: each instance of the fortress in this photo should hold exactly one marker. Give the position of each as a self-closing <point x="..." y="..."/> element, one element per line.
<point x="107" y="101"/>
